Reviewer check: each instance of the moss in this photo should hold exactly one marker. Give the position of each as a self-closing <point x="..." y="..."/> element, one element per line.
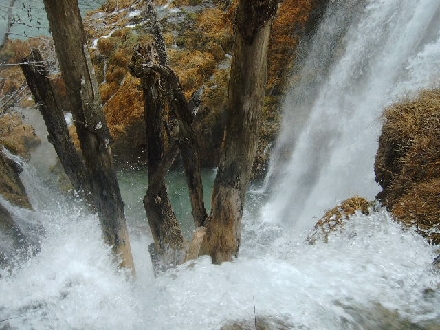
<point x="335" y="218"/>
<point x="407" y="162"/>
<point x="106" y="46"/>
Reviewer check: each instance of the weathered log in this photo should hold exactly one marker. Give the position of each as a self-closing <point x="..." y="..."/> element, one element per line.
<point x="78" y="74"/>
<point x="162" y="221"/>
<point x="246" y="96"/>
<point x="37" y="77"/>
<point x="144" y="65"/>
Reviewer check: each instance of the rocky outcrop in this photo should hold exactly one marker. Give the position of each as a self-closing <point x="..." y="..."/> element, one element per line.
<point x="407" y="163"/>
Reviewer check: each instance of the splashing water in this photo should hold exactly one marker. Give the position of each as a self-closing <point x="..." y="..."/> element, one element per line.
<point x="371" y="275"/>
<point x="365" y="55"/>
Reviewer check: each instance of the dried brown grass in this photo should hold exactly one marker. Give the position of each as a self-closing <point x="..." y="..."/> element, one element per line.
<point x="408" y="162"/>
<point x="335" y="218"/>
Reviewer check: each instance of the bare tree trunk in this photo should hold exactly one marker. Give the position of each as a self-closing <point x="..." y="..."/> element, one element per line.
<point x="180" y="109"/>
<point x="168" y="123"/>
<point x="70" y="44"/>
<point x="161" y="218"/>
<point x="37" y="78"/>
<point x="246" y="96"/>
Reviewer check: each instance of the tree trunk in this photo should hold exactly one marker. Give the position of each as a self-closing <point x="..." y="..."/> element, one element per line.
<point x="161" y="218"/>
<point x="180" y="109"/>
<point x="246" y="96"/>
<point x="37" y="78"/>
<point x="168" y="123"/>
<point x="70" y="44"/>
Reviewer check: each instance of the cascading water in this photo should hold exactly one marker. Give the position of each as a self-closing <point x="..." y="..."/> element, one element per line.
<point x="365" y="55"/>
<point x="373" y="275"/>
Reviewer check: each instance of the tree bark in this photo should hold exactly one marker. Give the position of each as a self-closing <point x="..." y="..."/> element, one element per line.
<point x="180" y="109"/>
<point x="37" y="78"/>
<point x="161" y="218"/>
<point x="168" y="123"/>
<point x="246" y="97"/>
<point x="70" y="44"/>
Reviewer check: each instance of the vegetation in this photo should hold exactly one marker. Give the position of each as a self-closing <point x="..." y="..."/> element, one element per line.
<point x="335" y="218"/>
<point x="407" y="163"/>
<point x="199" y="39"/>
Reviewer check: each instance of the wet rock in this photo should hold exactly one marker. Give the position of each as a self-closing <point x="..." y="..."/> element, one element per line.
<point x="335" y="218"/>
<point x="260" y="323"/>
<point x="18" y="237"/>
<point x="436" y="262"/>
<point x="11" y="187"/>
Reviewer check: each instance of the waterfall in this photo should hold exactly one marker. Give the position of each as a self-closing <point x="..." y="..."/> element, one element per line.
<point x="365" y="55"/>
<point x="371" y="275"/>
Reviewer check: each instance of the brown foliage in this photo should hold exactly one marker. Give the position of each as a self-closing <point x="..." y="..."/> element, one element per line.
<point x="419" y="207"/>
<point x="288" y="27"/>
<point x="408" y="161"/>
<point x="112" y="5"/>
<point x="193" y="68"/>
<point x="106" y="46"/>
<point x="125" y="107"/>
<point x="335" y="218"/>
<point x="17" y="137"/>
<point x="12" y="81"/>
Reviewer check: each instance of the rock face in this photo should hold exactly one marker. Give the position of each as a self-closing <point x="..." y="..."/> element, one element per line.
<point x="407" y="163"/>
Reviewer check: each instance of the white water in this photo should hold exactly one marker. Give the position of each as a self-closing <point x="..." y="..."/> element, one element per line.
<point x="346" y="284"/>
<point x="365" y="56"/>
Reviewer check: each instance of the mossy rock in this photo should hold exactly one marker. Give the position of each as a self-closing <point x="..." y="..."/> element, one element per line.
<point x="419" y="208"/>
<point x="334" y="219"/>
<point x="17" y="137"/>
<point x="407" y="164"/>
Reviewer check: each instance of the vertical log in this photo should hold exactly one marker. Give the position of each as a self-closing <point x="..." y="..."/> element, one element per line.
<point x="161" y="218"/>
<point x="246" y="96"/>
<point x="180" y="109"/>
<point x="37" y="78"/>
<point x="70" y="44"/>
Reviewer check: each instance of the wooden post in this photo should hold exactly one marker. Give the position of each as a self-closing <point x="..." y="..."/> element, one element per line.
<point x="246" y="96"/>
<point x="91" y="126"/>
